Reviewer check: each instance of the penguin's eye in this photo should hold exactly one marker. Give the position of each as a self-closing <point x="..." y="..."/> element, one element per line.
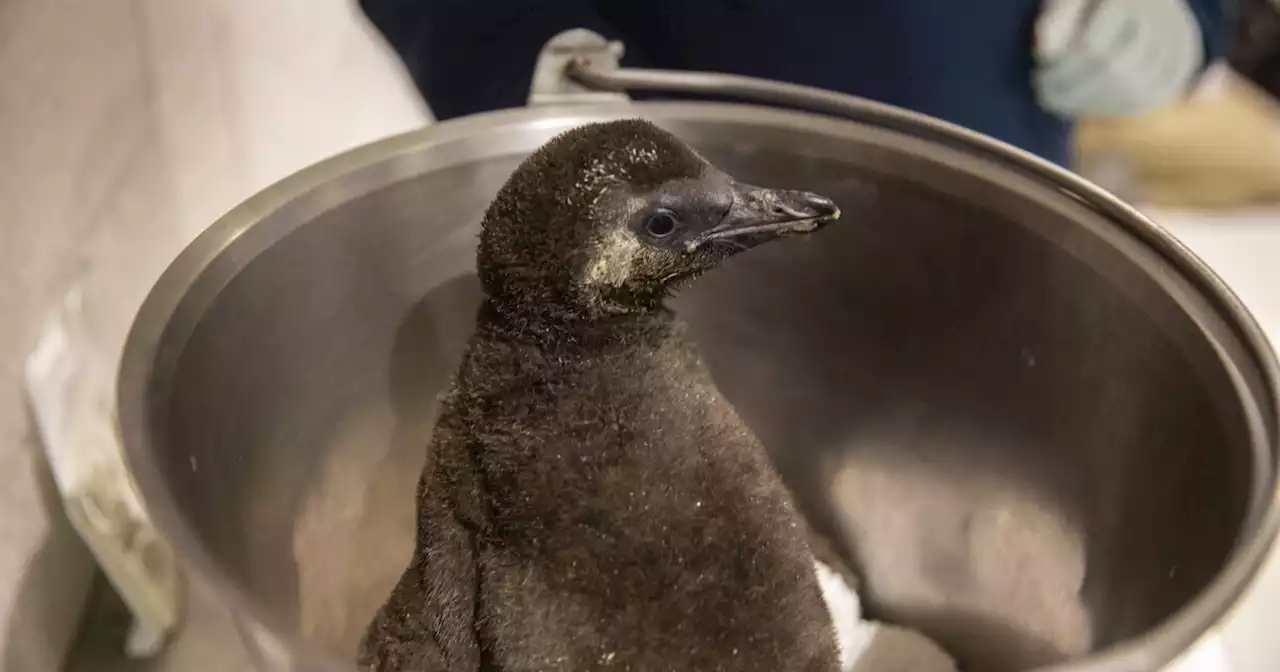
<point x="661" y="224"/>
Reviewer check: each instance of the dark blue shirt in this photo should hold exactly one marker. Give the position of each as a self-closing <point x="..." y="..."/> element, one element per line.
<point x="966" y="62"/>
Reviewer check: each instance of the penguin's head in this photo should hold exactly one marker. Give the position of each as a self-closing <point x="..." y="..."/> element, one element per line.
<point x="608" y="218"/>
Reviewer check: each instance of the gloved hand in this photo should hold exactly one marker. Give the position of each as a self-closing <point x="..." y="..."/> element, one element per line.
<point x="1115" y="57"/>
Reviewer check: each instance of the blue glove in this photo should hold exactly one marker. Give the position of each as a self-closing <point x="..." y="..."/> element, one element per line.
<point x="1115" y="57"/>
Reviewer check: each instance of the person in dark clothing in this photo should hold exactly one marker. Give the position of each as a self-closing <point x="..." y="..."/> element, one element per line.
<point x="1254" y="50"/>
<point x="1018" y="70"/>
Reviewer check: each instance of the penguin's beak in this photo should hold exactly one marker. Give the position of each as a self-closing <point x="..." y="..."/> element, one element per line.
<point x="759" y="215"/>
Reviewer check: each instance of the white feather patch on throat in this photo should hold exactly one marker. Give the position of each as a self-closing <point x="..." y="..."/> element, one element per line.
<point x="614" y="255"/>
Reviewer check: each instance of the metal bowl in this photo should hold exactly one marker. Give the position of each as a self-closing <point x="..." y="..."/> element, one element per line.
<point x="1042" y="431"/>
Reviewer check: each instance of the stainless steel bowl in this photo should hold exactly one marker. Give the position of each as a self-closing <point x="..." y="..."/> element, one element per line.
<point x="1043" y="432"/>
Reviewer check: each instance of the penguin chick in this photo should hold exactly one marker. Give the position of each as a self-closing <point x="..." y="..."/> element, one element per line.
<point x="590" y="501"/>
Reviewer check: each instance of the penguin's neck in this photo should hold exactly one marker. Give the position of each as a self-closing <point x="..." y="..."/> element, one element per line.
<point x="571" y="329"/>
<point x="598" y="428"/>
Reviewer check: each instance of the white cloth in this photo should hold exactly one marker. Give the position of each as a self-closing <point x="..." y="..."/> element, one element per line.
<point x="868" y="646"/>
<point x="1115" y="57"/>
<point x="852" y="635"/>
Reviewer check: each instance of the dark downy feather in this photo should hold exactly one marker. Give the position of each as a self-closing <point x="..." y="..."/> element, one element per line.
<point x="590" y="501"/>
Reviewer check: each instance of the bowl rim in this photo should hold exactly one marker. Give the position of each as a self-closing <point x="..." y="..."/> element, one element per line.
<point x="169" y="303"/>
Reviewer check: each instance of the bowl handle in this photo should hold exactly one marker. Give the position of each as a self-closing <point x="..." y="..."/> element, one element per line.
<point x="552" y="83"/>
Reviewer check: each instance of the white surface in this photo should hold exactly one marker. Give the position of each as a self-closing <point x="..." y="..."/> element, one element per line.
<point x="126" y="127"/>
<point x="70" y="385"/>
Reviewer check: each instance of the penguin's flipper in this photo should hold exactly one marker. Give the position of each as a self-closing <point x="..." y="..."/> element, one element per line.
<point x="428" y="623"/>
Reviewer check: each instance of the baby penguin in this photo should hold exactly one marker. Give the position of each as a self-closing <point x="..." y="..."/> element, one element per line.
<point x="590" y="501"/>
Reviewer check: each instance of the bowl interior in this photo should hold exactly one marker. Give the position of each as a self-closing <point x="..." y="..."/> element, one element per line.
<point x="1005" y="411"/>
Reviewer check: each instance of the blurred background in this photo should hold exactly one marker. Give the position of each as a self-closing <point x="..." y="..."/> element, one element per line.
<point x="127" y="126"/>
